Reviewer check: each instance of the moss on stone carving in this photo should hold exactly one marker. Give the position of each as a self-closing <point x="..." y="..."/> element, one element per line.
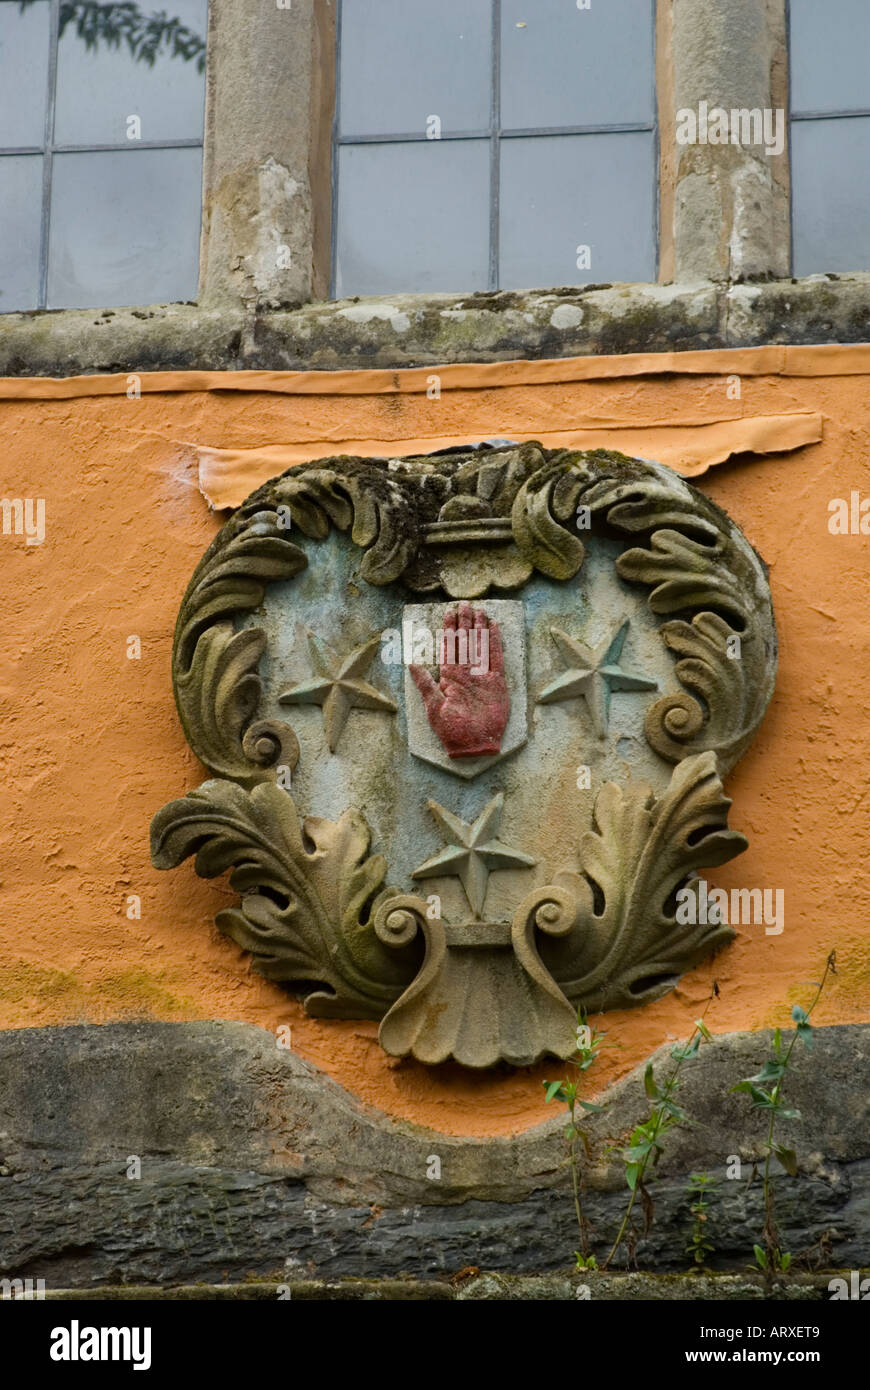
<point x="315" y="912"/>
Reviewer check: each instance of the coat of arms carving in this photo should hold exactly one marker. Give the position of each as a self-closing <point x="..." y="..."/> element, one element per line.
<point x="466" y="719"/>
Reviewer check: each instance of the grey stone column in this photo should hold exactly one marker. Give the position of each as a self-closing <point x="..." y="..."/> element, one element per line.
<point x="731" y="200"/>
<point x="266" y="175"/>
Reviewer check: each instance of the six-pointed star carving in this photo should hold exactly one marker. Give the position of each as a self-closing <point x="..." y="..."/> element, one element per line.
<point x="340" y="692"/>
<point x="592" y="675"/>
<point x="470" y="855"/>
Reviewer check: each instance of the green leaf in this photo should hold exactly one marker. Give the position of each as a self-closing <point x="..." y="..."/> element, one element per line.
<point x="805" y="1033"/>
<point x="702" y="1180"/>
<point x="760" y="1257"/>
<point x="771" y="1071"/>
<point x="799" y="1015"/>
<point x="638" y="1152"/>
<point x="789" y="1114"/>
<point x="631" y="1174"/>
<point x="553" y="1088"/>
<point x="759" y="1097"/>
<point x="589" y="1105"/>
<point x="649" y="1084"/>
<point x="703" y="1029"/>
<point x="788" y="1159"/>
<point x="777" y="1041"/>
<point x="784" y="1262"/>
<point x="686" y="1053"/>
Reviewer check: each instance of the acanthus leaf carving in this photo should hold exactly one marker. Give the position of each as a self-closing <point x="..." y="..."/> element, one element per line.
<point x="683" y="573"/>
<point x="380" y="512"/>
<point x="543" y="540"/>
<point x="307" y="889"/>
<point x="629" y="947"/>
<point x="217" y="684"/>
<point x="724" y="717"/>
<point x="697" y="565"/>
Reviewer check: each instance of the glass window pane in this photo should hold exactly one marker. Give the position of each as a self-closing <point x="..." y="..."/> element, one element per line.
<point x="830" y="55"/>
<point x="413" y="217"/>
<point x="402" y="61"/>
<point x="23" y="73"/>
<point x="99" y="88"/>
<point x="20" y="219"/>
<point x="124" y="228"/>
<point x="562" y="192"/>
<point x="830" y="176"/>
<point x="566" y="66"/>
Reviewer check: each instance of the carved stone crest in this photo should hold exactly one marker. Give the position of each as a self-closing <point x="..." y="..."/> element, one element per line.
<point x="466" y="719"/>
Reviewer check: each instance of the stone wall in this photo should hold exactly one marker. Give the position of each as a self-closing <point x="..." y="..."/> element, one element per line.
<point x="253" y="1163"/>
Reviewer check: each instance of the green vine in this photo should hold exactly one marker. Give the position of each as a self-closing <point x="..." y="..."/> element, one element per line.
<point x="646" y="1145"/>
<point x="589" y="1044"/>
<point x="770" y="1258"/>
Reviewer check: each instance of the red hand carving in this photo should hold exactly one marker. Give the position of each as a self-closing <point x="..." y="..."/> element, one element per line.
<point x="469" y="707"/>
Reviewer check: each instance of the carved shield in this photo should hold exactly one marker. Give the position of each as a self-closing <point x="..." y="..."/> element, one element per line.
<point x="469" y="845"/>
<point x="428" y="632"/>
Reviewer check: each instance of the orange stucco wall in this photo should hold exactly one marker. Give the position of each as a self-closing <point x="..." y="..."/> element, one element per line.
<point x="91" y="744"/>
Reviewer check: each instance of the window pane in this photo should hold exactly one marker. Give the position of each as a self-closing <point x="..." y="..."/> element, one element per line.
<point x="576" y="67"/>
<point x="562" y="192"/>
<point x="413" y="217"/>
<point x="98" y="89"/>
<point x="830" y="176"/>
<point x="403" y="61"/>
<point x="124" y="228"/>
<point x="830" y="55"/>
<point x="23" y="73"/>
<point x="20" y="218"/>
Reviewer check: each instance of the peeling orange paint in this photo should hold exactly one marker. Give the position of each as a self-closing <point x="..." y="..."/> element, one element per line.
<point x="91" y="745"/>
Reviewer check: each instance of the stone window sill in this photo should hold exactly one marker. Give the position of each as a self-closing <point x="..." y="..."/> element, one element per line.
<point x="423" y="330"/>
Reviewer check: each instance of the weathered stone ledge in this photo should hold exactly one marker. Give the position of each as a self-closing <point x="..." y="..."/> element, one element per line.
<point x="430" y="330"/>
<point x="482" y="1286"/>
<point x="254" y="1162"/>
